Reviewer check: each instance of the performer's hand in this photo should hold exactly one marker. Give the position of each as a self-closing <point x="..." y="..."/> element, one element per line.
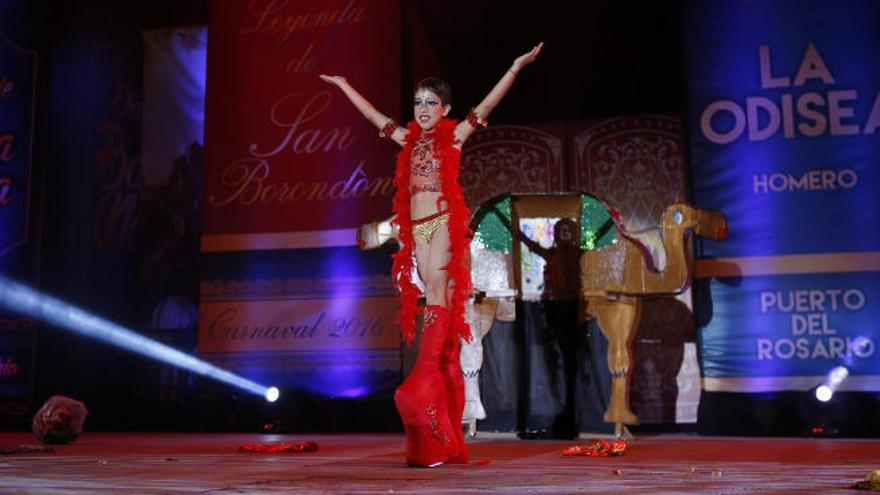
<point x="334" y="80"/>
<point x="527" y="58"/>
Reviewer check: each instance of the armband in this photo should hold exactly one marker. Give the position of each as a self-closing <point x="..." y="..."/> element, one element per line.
<point x="475" y="121"/>
<point x="388" y="129"/>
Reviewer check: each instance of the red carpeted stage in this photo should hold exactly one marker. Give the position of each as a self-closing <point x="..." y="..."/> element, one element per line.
<point x="171" y="463"/>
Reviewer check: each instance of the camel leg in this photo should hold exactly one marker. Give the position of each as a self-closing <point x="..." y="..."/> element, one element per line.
<point x="480" y="317"/>
<point x="618" y="320"/>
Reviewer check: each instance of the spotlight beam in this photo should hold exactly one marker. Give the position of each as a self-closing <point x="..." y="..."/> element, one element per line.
<point x="19" y="298"/>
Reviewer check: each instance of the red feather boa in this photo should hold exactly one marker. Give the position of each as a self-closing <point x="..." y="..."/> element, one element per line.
<point x="459" y="233"/>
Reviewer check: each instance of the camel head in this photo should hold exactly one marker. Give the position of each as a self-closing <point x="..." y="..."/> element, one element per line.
<point x="704" y="223"/>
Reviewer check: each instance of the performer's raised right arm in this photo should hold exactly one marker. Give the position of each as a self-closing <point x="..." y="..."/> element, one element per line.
<point x="387" y="127"/>
<point x="534" y="246"/>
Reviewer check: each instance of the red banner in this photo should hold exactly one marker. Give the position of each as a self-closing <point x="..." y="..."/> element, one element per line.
<point x="285" y="151"/>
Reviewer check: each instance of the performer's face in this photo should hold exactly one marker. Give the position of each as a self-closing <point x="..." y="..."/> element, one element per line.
<point x="428" y="109"/>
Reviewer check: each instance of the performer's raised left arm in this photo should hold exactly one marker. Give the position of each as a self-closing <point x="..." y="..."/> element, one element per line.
<point x="478" y="116"/>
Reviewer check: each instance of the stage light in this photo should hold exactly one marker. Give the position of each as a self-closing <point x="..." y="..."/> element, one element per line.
<point x="833" y="380"/>
<point x="824" y="393"/>
<point x="19" y="298"/>
<point x="862" y="345"/>
<point x="272" y="394"/>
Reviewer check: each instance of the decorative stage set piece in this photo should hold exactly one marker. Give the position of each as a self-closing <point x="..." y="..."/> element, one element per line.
<point x="613" y="268"/>
<point x="615" y="280"/>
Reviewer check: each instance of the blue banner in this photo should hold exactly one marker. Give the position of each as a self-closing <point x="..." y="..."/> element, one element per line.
<point x="786" y="329"/>
<point x="18" y="256"/>
<point x="784" y="124"/>
<point x="17" y="90"/>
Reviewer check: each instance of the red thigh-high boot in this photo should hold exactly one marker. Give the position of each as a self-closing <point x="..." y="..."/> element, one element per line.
<point x="450" y="367"/>
<point x="421" y="399"/>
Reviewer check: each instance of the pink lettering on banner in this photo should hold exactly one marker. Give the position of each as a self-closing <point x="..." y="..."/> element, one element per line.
<point x="275" y="18"/>
<point x="304" y="140"/>
<point x="17" y="99"/>
<point x="6" y="147"/>
<point x="7" y="86"/>
<point x="5" y="191"/>
<point x="298" y="325"/>
<point x="8" y="367"/>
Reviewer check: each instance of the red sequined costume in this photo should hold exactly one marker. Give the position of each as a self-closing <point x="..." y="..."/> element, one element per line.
<point x="459" y="234"/>
<point x="431" y="399"/>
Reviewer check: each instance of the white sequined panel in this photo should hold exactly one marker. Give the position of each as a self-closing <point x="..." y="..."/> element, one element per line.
<point x="491" y="271"/>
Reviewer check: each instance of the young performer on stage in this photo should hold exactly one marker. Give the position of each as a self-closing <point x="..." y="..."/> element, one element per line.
<point x="432" y="218"/>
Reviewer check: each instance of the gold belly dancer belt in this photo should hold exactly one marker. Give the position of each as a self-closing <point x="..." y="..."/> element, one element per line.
<point x="427" y="226"/>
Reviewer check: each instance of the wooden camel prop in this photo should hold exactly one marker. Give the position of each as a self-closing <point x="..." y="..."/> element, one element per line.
<point x="614" y="280"/>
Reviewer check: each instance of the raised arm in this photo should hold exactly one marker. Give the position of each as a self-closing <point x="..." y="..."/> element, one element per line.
<point x="366" y="108"/>
<point x="534" y="247"/>
<point x="482" y="111"/>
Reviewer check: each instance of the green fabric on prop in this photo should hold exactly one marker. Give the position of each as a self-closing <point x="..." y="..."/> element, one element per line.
<point x="493" y="225"/>
<point x="597" y="228"/>
<point x="493" y="232"/>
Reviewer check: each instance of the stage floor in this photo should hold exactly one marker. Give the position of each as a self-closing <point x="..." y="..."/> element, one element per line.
<point x="172" y="463"/>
